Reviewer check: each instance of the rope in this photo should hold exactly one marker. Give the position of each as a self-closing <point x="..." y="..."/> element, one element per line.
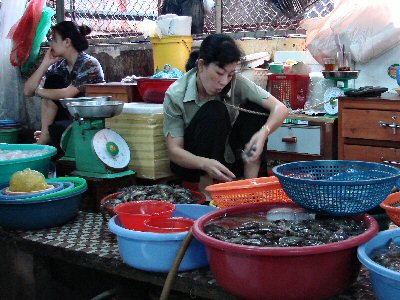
<point x="246" y="110"/>
<point x="296" y="111"/>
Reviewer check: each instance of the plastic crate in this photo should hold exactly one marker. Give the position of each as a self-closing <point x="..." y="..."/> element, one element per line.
<point x="255" y="190"/>
<point x="291" y="89"/>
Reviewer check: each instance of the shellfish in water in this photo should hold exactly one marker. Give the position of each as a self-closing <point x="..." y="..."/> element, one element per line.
<point x="279" y="228"/>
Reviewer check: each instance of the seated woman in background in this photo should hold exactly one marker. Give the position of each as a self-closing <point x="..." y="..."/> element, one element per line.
<point x="65" y="70"/>
<point x="205" y="133"/>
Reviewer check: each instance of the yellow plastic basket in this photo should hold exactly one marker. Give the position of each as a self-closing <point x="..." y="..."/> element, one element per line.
<point x="256" y="190"/>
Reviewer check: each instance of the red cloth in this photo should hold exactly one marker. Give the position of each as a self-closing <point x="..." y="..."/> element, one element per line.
<point x="24" y="31"/>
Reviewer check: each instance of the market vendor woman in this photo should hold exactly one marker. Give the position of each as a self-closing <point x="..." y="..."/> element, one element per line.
<point x="205" y="131"/>
<point x="64" y="70"/>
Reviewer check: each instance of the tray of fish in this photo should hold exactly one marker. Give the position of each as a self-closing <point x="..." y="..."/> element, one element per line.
<point x="171" y="193"/>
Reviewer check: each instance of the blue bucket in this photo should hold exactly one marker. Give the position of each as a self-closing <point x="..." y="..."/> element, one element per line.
<point x="385" y="282"/>
<point x="156" y="252"/>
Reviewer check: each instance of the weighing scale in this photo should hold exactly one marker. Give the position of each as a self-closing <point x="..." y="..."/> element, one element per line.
<point x="341" y="78"/>
<point x="98" y="152"/>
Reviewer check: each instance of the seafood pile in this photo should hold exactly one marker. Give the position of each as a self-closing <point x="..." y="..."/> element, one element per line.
<point x="18" y="154"/>
<point x="389" y="256"/>
<point x="258" y="229"/>
<point x="169" y="193"/>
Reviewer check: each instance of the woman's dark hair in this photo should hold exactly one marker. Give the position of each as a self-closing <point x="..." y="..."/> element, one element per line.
<point x="216" y="48"/>
<point x="77" y="34"/>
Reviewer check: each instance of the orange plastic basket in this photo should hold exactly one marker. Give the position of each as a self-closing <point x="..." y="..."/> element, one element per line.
<point x="263" y="189"/>
<point x="392" y="210"/>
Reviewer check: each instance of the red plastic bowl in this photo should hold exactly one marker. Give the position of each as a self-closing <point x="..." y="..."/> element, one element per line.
<point x="153" y="90"/>
<point x="199" y="198"/>
<point x="315" y="272"/>
<point x="133" y="214"/>
<point x="168" y="225"/>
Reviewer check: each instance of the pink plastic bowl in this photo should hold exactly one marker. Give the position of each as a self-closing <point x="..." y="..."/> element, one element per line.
<point x="133" y="214"/>
<point x="168" y="225"/>
<point x="315" y="272"/>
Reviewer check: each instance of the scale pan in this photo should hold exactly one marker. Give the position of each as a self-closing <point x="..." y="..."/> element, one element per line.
<point x="95" y="109"/>
<point x="65" y="101"/>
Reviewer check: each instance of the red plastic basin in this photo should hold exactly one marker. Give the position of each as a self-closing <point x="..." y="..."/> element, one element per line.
<point x="153" y="90"/>
<point x="133" y="214"/>
<point x="315" y="272"/>
<point x="168" y="225"/>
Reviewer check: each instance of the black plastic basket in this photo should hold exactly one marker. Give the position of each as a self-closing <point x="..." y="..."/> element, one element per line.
<point x="337" y="187"/>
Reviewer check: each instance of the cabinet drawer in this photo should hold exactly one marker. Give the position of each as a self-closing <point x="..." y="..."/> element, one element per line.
<point x="366" y="124"/>
<point x="373" y="154"/>
<point x="296" y="139"/>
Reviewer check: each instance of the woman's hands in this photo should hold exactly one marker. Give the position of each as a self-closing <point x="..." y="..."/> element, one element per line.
<point x="216" y="170"/>
<point x="49" y="58"/>
<point x="33" y="82"/>
<point x="255" y="146"/>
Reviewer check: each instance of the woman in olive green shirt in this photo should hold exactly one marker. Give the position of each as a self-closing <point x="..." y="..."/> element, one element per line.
<point x="204" y="130"/>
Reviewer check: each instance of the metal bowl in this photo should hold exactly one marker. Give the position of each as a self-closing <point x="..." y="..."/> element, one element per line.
<point x="341" y="74"/>
<point x="95" y="109"/>
<point x="79" y="99"/>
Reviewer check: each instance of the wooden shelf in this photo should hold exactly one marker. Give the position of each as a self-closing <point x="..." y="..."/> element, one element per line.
<point x="119" y="91"/>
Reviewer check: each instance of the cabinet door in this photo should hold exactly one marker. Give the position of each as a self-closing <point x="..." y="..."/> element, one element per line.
<point x="370" y="124"/>
<point x="374" y="154"/>
<point x="296" y="139"/>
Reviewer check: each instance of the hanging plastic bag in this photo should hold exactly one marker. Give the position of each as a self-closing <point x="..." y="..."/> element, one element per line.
<point x="23" y="33"/>
<point x="41" y="31"/>
<point x="367" y="28"/>
<point x="372" y="29"/>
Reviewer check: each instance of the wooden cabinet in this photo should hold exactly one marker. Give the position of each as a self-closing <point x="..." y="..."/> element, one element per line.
<point x="126" y="92"/>
<point x="305" y="138"/>
<point x="369" y="129"/>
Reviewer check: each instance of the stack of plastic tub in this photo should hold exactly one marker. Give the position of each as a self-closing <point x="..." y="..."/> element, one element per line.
<point x="141" y="125"/>
<point x="43" y="209"/>
<point x="9" y="131"/>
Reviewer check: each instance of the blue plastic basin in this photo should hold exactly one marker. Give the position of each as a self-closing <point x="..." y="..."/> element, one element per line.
<point x="156" y="252"/>
<point x="46" y="213"/>
<point x="385" y="282"/>
<point x="192" y="211"/>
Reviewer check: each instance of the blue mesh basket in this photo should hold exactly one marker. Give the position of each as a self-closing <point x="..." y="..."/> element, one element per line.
<point x="337" y="187"/>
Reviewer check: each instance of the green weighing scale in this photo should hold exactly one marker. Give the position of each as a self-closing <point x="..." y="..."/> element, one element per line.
<point x="341" y="78"/>
<point x="98" y="152"/>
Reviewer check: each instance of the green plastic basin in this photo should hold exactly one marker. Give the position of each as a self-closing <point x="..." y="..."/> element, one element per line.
<point x="39" y="163"/>
<point x="9" y="136"/>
